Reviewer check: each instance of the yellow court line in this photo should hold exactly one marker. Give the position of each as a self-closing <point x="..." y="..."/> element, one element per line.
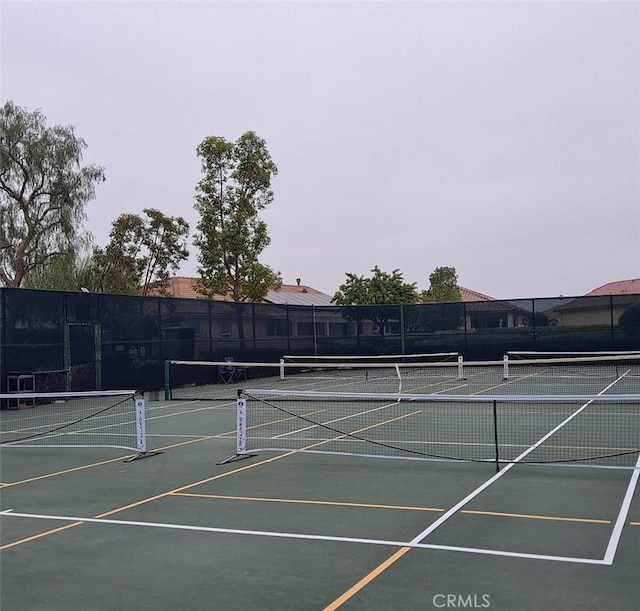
<point x="505" y="383"/>
<point x="272" y="422"/>
<point x="149" y="499"/>
<point x="366" y="428"/>
<point x="97" y="464"/>
<point x="63" y="472"/>
<point x="308" y="502"/>
<point x="182" y="488"/>
<point x="395" y="507"/>
<point x="338" y="602"/>
<point x="534" y="517"/>
<point x="192" y="485"/>
<point x="634" y="523"/>
<point x="353" y="590"/>
<point x="40" y="535"/>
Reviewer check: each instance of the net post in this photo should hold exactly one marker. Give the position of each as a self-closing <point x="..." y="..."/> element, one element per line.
<point x="505" y="367"/>
<point x="495" y="435"/>
<point x="282" y="369"/>
<point x="241" y="431"/>
<point x="241" y="425"/>
<point x="141" y="431"/>
<point x="460" y="367"/>
<point x="141" y="428"/>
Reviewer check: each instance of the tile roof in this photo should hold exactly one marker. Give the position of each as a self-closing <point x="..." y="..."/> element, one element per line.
<point x="469" y="295"/>
<point x="184" y="288"/>
<point x="300" y="294"/>
<point x="619" y="287"/>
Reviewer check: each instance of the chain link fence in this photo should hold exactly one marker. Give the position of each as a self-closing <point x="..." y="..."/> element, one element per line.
<point x="91" y="341"/>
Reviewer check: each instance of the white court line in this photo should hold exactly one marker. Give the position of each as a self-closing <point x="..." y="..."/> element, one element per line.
<point x="611" y="549"/>
<point x="326" y="422"/>
<point x="622" y="516"/>
<point x="283" y="535"/>
<point x="180" y="413"/>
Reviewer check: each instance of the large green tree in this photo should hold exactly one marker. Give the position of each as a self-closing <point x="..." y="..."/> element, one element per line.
<point x="235" y="187"/>
<point x="383" y="290"/>
<point x="443" y="286"/>
<point x="446" y="311"/>
<point x="43" y="192"/>
<point x="142" y="252"/>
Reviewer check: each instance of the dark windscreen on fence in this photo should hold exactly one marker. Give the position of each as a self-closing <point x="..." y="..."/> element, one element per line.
<point x="78" y="341"/>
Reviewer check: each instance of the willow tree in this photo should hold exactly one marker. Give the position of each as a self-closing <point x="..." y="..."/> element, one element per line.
<point x="71" y="271"/>
<point x="230" y="236"/>
<point x="43" y="192"/>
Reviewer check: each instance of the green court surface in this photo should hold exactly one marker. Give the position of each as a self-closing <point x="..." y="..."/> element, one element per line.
<point x="83" y="530"/>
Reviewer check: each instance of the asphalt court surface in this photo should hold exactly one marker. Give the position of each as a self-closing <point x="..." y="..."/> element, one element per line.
<point x="306" y="531"/>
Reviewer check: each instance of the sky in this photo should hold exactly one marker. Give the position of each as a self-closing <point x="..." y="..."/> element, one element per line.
<point x="500" y="138"/>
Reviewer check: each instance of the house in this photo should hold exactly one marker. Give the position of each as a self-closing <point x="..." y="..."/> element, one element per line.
<point x="601" y="306"/>
<point x="484" y="312"/>
<point x="270" y="318"/>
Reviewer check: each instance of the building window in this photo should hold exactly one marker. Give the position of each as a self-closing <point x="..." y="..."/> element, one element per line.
<point x="304" y="329"/>
<point x="225" y="328"/>
<point x="277" y="327"/>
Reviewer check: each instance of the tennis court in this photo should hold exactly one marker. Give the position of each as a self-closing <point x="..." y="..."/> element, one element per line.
<point x="348" y="529"/>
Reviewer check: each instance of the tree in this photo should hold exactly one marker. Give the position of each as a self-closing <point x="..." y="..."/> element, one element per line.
<point x="43" y="192"/>
<point x="71" y="271"/>
<point x="382" y="290"/>
<point x="443" y="292"/>
<point x="630" y="320"/>
<point x="141" y="252"/>
<point x="230" y="235"/>
<point x="443" y="286"/>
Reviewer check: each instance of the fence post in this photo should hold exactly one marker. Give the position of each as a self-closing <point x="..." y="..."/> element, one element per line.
<point x="315" y="330"/>
<point x="288" y="328"/>
<point x="495" y="435"/>
<point x="464" y="317"/>
<point x="167" y="381"/>
<point x="402" y="341"/>
<point x="613" y="340"/>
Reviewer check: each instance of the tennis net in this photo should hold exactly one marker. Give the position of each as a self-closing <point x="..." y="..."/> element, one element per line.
<point x="114" y="419"/>
<point x="213" y="380"/>
<point x="428" y="357"/>
<point x="541" y="354"/>
<point x="600" y="430"/>
<point x="587" y="375"/>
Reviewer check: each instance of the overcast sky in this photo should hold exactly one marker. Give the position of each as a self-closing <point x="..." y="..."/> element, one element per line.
<point x="499" y="138"/>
